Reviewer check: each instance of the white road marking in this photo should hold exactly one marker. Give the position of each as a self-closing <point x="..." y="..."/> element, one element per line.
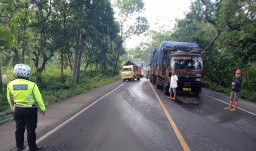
<point x="228" y="103"/>
<point x="73" y="117"/>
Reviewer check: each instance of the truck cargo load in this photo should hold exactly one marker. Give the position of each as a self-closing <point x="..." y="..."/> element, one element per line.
<point x="131" y="70"/>
<point x="183" y="57"/>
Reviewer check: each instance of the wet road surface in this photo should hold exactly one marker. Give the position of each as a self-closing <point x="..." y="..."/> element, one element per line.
<point x="131" y="118"/>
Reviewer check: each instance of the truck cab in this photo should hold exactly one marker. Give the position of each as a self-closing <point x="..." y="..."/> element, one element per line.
<point x="128" y="72"/>
<point x="185" y="59"/>
<point x="131" y="72"/>
<point x="189" y="69"/>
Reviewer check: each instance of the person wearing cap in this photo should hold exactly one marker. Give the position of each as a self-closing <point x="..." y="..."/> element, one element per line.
<point x="236" y="88"/>
<point x="25" y="99"/>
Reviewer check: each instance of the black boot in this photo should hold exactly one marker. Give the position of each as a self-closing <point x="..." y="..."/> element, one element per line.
<point x="21" y="148"/>
<point x="36" y="149"/>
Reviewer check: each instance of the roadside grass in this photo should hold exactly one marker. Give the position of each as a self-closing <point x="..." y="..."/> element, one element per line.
<point x="245" y="93"/>
<point x="55" y="89"/>
<point x="59" y="91"/>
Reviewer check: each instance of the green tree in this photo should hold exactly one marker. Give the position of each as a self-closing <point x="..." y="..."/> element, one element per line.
<point x="6" y="39"/>
<point x="42" y="46"/>
<point x="62" y="32"/>
<point x="20" y="28"/>
<point x="226" y="15"/>
<point x="241" y="45"/>
<point x="129" y="19"/>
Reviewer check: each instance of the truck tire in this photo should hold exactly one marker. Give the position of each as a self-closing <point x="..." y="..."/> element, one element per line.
<point x="197" y="92"/>
<point x="153" y="79"/>
<point x="166" y="90"/>
<point x="157" y="85"/>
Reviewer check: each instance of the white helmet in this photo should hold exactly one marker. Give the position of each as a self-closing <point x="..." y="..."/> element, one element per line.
<point x="22" y="70"/>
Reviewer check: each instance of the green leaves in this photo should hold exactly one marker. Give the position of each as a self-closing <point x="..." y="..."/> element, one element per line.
<point x="130" y="21"/>
<point x="128" y="7"/>
<point x="6" y="38"/>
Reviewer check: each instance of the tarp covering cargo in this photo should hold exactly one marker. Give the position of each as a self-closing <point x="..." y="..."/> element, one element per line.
<point x="173" y="45"/>
<point x="137" y="64"/>
<point x="152" y="55"/>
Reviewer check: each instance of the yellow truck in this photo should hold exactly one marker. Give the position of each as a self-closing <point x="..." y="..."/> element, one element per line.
<point x="131" y="71"/>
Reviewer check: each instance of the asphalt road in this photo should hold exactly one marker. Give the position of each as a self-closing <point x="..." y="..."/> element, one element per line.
<point x="134" y="116"/>
<point x="132" y="119"/>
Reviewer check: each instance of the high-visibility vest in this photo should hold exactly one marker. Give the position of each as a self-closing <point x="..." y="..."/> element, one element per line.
<point x="24" y="93"/>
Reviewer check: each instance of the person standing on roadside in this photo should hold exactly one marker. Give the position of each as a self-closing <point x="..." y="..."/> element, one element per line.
<point x="173" y="86"/>
<point x="236" y="88"/>
<point x="25" y="98"/>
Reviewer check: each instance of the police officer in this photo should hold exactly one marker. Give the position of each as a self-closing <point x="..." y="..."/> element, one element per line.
<point x="25" y="98"/>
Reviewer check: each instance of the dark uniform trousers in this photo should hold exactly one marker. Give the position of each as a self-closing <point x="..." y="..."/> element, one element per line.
<point x="25" y="118"/>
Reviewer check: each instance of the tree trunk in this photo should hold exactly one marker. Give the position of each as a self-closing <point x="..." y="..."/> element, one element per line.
<point x="36" y="59"/>
<point x="88" y="55"/>
<point x="62" y="63"/>
<point x="75" y="65"/>
<point x="115" y="66"/>
<point x="78" y="57"/>
<point x="217" y="34"/>
<point x="41" y="69"/>
<point x="23" y="52"/>
<point x="23" y="45"/>
<point x="69" y="62"/>
<point x="78" y="67"/>
<point x="86" y="65"/>
<point x="1" y="83"/>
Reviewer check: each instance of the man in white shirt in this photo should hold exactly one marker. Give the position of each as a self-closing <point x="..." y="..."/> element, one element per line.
<point x="173" y="86"/>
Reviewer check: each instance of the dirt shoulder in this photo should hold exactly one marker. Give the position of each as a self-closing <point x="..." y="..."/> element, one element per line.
<point x="55" y="114"/>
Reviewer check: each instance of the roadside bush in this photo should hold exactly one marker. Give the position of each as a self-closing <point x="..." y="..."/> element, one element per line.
<point x="248" y="95"/>
<point x="216" y="87"/>
<point x="55" y="89"/>
<point x="3" y="102"/>
<point x="245" y="93"/>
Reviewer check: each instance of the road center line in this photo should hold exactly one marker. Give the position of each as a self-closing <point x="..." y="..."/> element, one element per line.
<point x="171" y="121"/>
<point x="74" y="116"/>
<point x="227" y="104"/>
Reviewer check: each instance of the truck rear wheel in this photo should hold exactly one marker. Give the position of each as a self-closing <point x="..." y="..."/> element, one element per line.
<point x="158" y="86"/>
<point x="166" y="90"/>
<point x="153" y="79"/>
<point x="196" y="93"/>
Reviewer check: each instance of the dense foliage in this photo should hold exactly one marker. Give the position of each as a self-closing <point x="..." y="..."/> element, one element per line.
<point x="226" y="31"/>
<point x="79" y="41"/>
<point x="65" y="32"/>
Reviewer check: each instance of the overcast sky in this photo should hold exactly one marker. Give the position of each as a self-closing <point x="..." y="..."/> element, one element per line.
<point x="161" y="13"/>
